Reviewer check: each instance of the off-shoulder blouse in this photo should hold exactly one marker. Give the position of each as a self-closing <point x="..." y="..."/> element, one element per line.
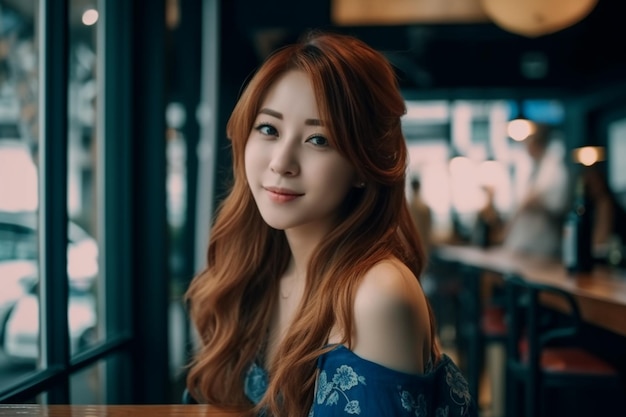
<point x="350" y="385"/>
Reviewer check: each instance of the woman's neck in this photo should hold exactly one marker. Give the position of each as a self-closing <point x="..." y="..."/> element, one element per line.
<point x="302" y="244"/>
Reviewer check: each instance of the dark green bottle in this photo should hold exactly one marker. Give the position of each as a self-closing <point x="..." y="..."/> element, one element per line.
<point x="577" y="231"/>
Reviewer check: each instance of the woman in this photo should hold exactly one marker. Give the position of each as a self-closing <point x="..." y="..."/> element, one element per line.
<point x="310" y="303"/>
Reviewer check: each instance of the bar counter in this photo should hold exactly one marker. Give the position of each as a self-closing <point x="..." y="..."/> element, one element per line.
<point x="601" y="293"/>
<point x="165" y="410"/>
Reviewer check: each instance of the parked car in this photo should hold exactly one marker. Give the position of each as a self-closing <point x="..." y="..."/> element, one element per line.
<point x="18" y="241"/>
<point x="14" y="280"/>
<point x="21" y="339"/>
<point x="19" y="303"/>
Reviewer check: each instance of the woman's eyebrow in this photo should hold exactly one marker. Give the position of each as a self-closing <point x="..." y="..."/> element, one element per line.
<point x="278" y="115"/>
<point x="313" y="122"/>
<point x="271" y="112"/>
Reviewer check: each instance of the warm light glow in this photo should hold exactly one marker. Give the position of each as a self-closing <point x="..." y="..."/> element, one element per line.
<point x="427" y="110"/>
<point x="533" y="18"/>
<point x="90" y="17"/>
<point x="465" y="187"/>
<point x="460" y="165"/>
<point x="588" y="155"/>
<point x="489" y="172"/>
<point x="520" y="129"/>
<point x="394" y="12"/>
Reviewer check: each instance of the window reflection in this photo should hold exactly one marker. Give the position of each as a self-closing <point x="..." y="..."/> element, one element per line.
<point x="19" y="138"/>
<point x="18" y="192"/>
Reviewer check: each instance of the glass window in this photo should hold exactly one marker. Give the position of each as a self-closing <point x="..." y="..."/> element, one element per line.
<point x="18" y="193"/>
<point x="89" y="385"/>
<point x="73" y="174"/>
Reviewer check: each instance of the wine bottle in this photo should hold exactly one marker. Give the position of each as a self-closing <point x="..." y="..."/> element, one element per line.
<point x="577" y="230"/>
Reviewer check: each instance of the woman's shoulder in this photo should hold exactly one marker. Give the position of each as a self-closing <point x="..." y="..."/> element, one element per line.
<point x="391" y="316"/>
<point x="388" y="287"/>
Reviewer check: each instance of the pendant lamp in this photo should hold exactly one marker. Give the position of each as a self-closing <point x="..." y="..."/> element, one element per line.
<point x="520" y="127"/>
<point x="534" y="18"/>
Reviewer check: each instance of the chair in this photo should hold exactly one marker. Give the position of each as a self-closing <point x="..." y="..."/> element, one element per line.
<point x="545" y="351"/>
<point x="493" y="334"/>
<point x="482" y="329"/>
<point x="453" y="289"/>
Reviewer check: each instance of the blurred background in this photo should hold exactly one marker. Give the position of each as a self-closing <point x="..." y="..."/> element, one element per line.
<point x="113" y="152"/>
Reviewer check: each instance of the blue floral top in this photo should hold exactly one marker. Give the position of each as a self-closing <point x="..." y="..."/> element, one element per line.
<point x="350" y="385"/>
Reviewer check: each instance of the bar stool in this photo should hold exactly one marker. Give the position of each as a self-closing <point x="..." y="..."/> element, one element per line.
<point x="545" y="350"/>
<point x="493" y="334"/>
<point x="482" y="326"/>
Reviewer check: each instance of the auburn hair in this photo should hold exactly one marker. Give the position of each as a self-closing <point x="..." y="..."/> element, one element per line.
<point x="230" y="301"/>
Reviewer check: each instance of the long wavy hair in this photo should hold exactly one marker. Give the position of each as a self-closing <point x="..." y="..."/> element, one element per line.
<point x="230" y="301"/>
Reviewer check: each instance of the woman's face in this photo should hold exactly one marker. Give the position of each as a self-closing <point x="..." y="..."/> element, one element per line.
<point x="298" y="180"/>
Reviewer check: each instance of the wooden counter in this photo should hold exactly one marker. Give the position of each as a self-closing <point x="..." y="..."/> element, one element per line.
<point x="169" y="410"/>
<point x="601" y="293"/>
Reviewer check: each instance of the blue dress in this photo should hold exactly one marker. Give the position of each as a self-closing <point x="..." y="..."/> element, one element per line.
<point x="350" y="385"/>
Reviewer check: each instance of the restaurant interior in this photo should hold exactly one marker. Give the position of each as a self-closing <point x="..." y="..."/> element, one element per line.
<point x="112" y="138"/>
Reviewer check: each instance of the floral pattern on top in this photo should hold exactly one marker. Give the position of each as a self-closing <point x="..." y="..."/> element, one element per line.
<point x="412" y="405"/>
<point x="442" y="391"/>
<point x="343" y="380"/>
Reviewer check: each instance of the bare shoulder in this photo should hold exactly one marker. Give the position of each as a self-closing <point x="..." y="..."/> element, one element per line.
<point x="392" y="322"/>
<point x="388" y="281"/>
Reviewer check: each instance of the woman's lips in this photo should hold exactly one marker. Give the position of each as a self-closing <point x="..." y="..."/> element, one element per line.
<point x="282" y="195"/>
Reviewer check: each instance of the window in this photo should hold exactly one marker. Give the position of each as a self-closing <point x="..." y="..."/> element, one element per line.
<point x="63" y="211"/>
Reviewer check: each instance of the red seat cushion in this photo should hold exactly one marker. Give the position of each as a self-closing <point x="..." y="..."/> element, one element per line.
<point x="493" y="321"/>
<point x="573" y="360"/>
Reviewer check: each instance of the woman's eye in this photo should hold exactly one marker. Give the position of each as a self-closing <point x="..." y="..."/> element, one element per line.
<point x="318" y="140"/>
<point x="267" y="129"/>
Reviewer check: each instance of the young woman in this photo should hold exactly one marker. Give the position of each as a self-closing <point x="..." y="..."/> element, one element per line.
<point x="310" y="304"/>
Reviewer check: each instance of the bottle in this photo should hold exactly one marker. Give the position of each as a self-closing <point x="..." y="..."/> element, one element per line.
<point x="481" y="233"/>
<point x="577" y="254"/>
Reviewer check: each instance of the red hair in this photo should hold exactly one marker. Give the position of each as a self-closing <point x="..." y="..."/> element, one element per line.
<point x="231" y="300"/>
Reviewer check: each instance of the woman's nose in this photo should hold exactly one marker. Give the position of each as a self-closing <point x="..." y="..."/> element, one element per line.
<point x="285" y="159"/>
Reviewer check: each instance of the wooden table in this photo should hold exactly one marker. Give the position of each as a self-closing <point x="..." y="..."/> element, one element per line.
<point x="601" y="293"/>
<point x="169" y="410"/>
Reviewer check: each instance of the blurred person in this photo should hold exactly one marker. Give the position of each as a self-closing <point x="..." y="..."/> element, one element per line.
<point x="422" y="215"/>
<point x="488" y="226"/>
<point x="310" y="303"/>
<point x="536" y="226"/>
